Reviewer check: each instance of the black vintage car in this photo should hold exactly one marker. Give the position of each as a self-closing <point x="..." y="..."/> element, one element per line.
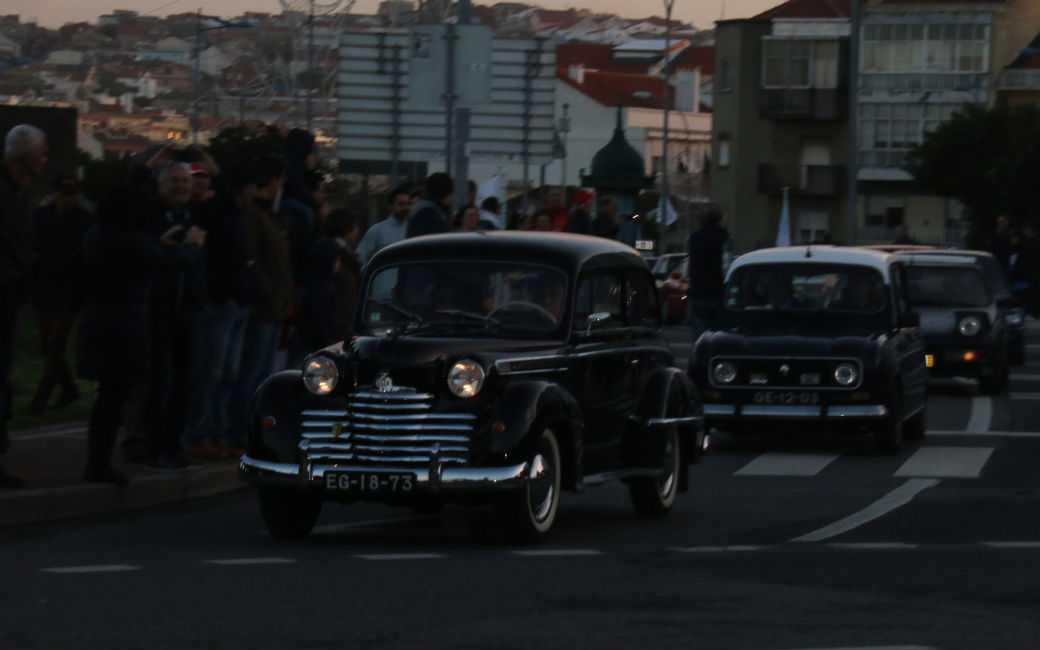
<point x="815" y="337"/>
<point x="963" y="315"/>
<point x="484" y="368"/>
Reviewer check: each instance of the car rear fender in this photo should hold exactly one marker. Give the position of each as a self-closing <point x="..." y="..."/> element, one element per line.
<point x="669" y="399"/>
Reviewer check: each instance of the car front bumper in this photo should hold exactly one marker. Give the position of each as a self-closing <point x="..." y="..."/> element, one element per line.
<point x="432" y="478"/>
<point x="845" y="412"/>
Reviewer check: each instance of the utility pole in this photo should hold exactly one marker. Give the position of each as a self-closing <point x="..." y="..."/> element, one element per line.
<point x="565" y="128"/>
<point x="461" y="114"/>
<point x="852" y="220"/>
<point x="662" y="209"/>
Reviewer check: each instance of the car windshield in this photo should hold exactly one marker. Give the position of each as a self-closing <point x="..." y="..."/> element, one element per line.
<point x="805" y="288"/>
<point x="947" y="286"/>
<point x="464" y="297"/>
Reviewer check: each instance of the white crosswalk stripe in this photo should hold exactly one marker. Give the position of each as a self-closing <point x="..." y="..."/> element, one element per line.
<point x="946" y="462"/>
<point x="782" y="464"/>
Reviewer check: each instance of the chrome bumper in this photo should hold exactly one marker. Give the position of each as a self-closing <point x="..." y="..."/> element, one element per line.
<point x="432" y="478"/>
<point x="792" y="412"/>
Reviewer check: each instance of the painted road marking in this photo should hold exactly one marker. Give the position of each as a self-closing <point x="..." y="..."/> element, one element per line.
<point x="719" y="549"/>
<point x="94" y="568"/>
<point x="1029" y="396"/>
<point x="781" y="464"/>
<point x="981" y="414"/>
<point x="874" y="546"/>
<point x="993" y="434"/>
<point x="901" y="496"/>
<point x="1012" y="545"/>
<point x="562" y="552"/>
<point x="946" y="462"/>
<point x="379" y="557"/>
<point x="1025" y="377"/>
<point x="251" y="560"/>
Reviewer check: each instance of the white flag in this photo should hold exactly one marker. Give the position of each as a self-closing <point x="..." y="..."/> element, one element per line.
<point x="493" y="187"/>
<point x="670" y="215"/>
<point x="783" y="233"/>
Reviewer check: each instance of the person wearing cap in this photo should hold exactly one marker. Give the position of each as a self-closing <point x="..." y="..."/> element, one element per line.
<point x="581" y="217"/>
<point x="57" y="287"/>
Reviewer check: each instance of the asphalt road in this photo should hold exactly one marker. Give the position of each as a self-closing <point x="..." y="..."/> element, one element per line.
<point x="782" y="544"/>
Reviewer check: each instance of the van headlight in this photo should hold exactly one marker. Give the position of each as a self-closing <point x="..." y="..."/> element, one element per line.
<point x="724" y="372"/>
<point x="969" y="325"/>
<point x="320" y="375"/>
<point x="846" y="374"/>
<point x="466" y="378"/>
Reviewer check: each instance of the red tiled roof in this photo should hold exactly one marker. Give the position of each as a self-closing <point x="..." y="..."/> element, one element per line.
<point x="697" y="56"/>
<point x="808" y="9"/>
<point x="619" y="89"/>
<point x="594" y="56"/>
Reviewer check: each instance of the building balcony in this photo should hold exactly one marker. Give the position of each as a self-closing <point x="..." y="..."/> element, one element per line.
<point x="1020" y="79"/>
<point x="822" y="181"/>
<point x="804" y="103"/>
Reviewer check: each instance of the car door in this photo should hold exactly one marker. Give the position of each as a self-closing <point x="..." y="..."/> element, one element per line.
<point x="603" y="368"/>
<point x="909" y="343"/>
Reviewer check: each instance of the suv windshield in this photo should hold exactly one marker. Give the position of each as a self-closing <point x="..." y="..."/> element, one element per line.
<point x="947" y="286"/>
<point x="806" y="288"/>
<point x="464" y="297"/>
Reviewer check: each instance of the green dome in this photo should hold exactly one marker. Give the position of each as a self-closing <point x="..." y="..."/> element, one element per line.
<point x="618" y="159"/>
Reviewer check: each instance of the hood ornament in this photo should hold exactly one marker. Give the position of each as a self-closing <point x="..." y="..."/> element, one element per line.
<point x="383" y="383"/>
<point x="785" y="370"/>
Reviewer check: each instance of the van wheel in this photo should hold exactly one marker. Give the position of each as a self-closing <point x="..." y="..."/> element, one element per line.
<point x="913" y="429"/>
<point x="653" y="496"/>
<point x="888" y="436"/>
<point x="528" y="513"/>
<point x="289" y="513"/>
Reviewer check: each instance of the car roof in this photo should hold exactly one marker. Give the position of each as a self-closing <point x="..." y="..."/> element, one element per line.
<point x="814" y="254"/>
<point x="565" y="250"/>
<point x="944" y="258"/>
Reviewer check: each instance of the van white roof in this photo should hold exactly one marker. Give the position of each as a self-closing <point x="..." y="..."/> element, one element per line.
<point x="878" y="260"/>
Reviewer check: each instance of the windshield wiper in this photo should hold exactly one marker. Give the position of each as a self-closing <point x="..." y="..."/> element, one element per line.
<point x="412" y="316"/>
<point x="468" y="315"/>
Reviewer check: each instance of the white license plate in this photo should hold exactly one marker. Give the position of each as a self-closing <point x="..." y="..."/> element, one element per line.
<point x="370" y="482"/>
<point x="793" y="397"/>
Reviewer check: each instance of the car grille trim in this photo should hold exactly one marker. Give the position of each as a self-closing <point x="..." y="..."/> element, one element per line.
<point x="387" y="429"/>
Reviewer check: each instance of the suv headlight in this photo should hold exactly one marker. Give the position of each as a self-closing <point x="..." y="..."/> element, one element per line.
<point x="466" y="378"/>
<point x="320" y="375"/>
<point x="969" y="325"/>
<point x="724" y="372"/>
<point x="846" y="374"/>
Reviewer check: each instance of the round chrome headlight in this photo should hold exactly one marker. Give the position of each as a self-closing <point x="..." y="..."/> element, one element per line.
<point x="320" y="375"/>
<point x="724" y="372"/>
<point x="466" y="378"/>
<point x="846" y="374"/>
<point x="970" y="325"/>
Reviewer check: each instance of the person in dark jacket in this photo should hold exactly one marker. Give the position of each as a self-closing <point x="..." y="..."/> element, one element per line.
<point x="115" y="342"/>
<point x="1000" y="244"/>
<point x="25" y="156"/>
<point x="429" y="215"/>
<point x="57" y="287"/>
<point x="708" y="248"/>
<point x="321" y="312"/>
<point x="606" y="222"/>
<point x="342" y="227"/>
<point x="580" y="221"/>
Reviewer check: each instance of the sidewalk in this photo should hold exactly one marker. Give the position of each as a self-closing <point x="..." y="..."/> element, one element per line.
<point x="51" y="460"/>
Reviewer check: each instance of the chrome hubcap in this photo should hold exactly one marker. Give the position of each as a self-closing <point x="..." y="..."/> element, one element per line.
<point x="541" y="488"/>
<point x="668" y="478"/>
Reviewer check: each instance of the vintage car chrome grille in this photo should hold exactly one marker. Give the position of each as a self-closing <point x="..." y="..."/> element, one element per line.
<point x="394" y="429"/>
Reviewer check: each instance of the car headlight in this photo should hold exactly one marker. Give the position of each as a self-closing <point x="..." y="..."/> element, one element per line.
<point x="320" y="375"/>
<point x="846" y="374"/>
<point x="466" y="378"/>
<point x="724" y="372"/>
<point x="969" y="325"/>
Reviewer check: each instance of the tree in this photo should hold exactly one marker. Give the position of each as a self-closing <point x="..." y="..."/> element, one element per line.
<point x="988" y="160"/>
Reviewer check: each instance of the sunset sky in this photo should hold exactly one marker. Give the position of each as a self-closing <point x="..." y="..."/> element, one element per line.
<point x="54" y="13"/>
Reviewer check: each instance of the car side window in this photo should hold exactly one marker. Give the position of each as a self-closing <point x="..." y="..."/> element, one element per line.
<point x="598" y="293"/>
<point x="897" y="275"/>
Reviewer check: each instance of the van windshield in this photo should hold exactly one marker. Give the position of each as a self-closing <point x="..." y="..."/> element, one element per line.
<point x="806" y="288"/>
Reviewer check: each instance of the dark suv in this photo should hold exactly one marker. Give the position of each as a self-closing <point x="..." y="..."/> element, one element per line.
<point x="485" y="368"/>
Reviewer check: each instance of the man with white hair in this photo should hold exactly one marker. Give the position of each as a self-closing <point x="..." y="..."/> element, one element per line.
<point x="25" y="156"/>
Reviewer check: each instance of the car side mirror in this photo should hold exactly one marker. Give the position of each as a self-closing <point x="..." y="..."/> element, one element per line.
<point x="596" y="318"/>
<point x="909" y="319"/>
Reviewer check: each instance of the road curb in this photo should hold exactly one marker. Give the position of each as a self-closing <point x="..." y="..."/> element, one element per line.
<point x="34" y="506"/>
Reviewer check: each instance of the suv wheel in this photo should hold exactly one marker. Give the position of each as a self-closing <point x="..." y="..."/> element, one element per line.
<point x="888" y="436"/>
<point x="288" y="513"/>
<point x="914" y="428"/>
<point x="653" y="496"/>
<point x="528" y="513"/>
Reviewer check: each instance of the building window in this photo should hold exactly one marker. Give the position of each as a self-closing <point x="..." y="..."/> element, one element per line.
<point x="790" y="63"/>
<point x="899" y="126"/>
<point x="726" y="75"/>
<point x="723" y="156"/>
<point x="939" y="47"/>
<point x="884" y="212"/>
